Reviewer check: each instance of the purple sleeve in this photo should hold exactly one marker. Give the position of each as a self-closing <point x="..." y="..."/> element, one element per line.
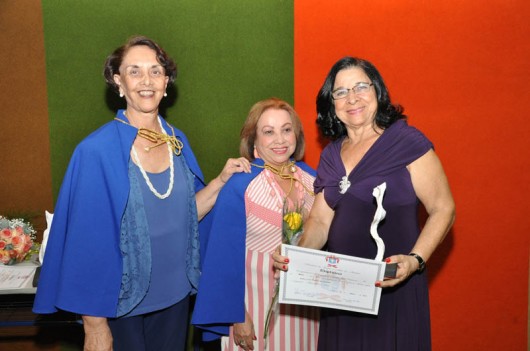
<point x="329" y="172"/>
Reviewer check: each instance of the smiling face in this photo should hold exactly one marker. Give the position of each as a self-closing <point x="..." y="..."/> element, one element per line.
<point x="142" y="79"/>
<point x="355" y="110"/>
<point x="275" y="137"/>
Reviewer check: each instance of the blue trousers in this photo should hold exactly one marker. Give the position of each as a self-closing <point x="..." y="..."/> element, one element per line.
<point x="156" y="331"/>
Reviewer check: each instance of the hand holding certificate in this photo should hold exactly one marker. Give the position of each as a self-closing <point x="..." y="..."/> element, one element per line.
<point x="322" y="279"/>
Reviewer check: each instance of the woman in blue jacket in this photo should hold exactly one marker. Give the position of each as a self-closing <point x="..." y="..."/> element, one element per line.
<point x="123" y="250"/>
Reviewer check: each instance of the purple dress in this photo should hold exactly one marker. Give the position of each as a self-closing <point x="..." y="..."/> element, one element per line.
<point x="403" y="321"/>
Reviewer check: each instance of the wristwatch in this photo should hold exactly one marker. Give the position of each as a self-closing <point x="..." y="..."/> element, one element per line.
<point x="421" y="261"/>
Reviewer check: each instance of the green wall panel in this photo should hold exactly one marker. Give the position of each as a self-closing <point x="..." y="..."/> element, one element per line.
<point x="230" y="54"/>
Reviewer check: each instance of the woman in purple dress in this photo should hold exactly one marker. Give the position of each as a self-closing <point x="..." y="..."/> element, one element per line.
<point x="372" y="144"/>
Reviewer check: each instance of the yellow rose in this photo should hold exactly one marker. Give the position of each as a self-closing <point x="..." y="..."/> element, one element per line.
<point x="294" y="220"/>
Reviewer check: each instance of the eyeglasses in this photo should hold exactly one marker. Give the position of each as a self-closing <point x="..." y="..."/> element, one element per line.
<point x="358" y="89"/>
<point x="134" y="71"/>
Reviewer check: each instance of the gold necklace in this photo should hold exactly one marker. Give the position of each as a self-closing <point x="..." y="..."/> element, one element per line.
<point x="280" y="172"/>
<point x="159" y="138"/>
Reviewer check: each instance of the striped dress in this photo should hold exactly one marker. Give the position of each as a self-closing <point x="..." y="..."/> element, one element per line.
<point x="292" y="327"/>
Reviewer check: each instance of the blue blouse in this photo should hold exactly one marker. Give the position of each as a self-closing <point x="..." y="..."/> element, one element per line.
<point x="167" y="221"/>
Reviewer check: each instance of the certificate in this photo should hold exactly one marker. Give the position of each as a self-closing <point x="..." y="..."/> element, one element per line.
<point x="324" y="279"/>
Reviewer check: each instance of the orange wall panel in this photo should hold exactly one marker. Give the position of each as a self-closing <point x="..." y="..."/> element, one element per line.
<point x="460" y="69"/>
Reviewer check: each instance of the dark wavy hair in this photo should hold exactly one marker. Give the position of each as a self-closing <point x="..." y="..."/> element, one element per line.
<point x="114" y="60"/>
<point x="327" y="121"/>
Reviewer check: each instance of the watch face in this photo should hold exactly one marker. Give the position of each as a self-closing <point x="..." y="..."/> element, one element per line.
<point x="422" y="266"/>
<point x="420" y="261"/>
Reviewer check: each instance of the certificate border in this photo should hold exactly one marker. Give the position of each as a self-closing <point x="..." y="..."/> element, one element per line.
<point x="377" y="296"/>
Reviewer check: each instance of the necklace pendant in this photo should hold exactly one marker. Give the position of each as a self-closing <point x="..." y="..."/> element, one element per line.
<point x="344" y="184"/>
<point x="147" y="149"/>
<point x="292" y="169"/>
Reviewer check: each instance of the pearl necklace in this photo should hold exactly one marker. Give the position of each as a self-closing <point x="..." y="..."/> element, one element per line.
<point x="146" y="177"/>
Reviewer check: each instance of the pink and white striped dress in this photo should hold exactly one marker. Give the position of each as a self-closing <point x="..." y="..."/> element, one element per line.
<point x="293" y="327"/>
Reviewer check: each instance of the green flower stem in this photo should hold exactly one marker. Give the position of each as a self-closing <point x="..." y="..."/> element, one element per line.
<point x="271" y="309"/>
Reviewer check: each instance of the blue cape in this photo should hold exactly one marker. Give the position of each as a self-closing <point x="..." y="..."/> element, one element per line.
<point x="82" y="268"/>
<point x="221" y="297"/>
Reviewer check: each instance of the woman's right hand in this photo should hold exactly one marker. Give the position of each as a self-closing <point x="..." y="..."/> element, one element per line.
<point x="281" y="263"/>
<point x="244" y="335"/>
<point x="98" y="336"/>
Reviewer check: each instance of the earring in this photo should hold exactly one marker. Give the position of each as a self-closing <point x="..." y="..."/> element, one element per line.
<point x="165" y="94"/>
<point x="121" y="93"/>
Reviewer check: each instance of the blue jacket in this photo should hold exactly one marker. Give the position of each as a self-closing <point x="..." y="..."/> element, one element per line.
<point x="83" y="266"/>
<point x="221" y="297"/>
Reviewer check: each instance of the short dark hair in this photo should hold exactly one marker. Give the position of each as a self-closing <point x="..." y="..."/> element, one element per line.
<point x="114" y="60"/>
<point x="249" y="129"/>
<point x="327" y="121"/>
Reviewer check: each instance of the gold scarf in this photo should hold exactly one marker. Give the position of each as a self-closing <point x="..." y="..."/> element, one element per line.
<point x="291" y="168"/>
<point x="158" y="138"/>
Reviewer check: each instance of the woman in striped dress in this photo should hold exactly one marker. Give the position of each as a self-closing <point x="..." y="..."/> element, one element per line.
<point x="237" y="284"/>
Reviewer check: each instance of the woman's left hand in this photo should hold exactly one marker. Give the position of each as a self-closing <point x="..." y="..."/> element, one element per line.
<point x="280" y="263"/>
<point x="234" y="165"/>
<point x="406" y="266"/>
<point x="207" y="196"/>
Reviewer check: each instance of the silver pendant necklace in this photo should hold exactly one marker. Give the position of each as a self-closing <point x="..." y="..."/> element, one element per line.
<point x="344" y="184"/>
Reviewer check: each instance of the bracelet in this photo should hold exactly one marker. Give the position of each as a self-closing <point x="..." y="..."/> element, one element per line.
<point x="421" y="261"/>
